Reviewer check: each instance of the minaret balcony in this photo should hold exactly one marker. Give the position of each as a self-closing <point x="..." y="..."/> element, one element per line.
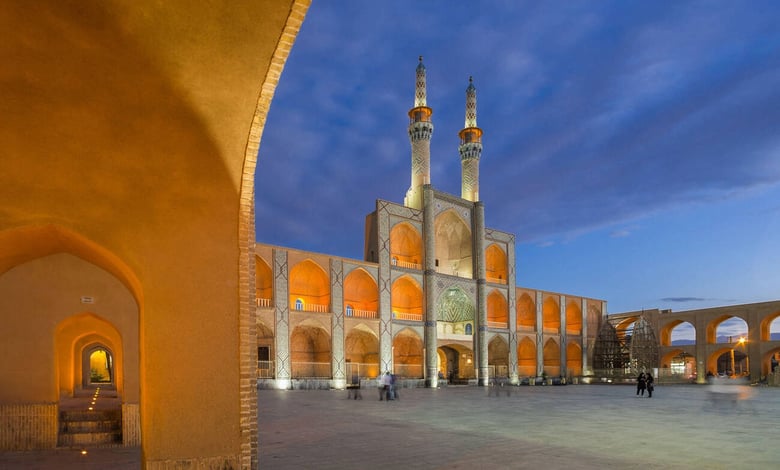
<point x="264" y="302"/>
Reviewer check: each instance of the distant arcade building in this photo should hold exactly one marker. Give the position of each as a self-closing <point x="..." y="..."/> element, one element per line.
<point x="434" y="297"/>
<point x="734" y="341"/>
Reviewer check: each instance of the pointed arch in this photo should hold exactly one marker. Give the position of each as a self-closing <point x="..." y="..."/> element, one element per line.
<point x="552" y="357"/>
<point x="769" y="324"/>
<point x="573" y="359"/>
<point x="310" y="285"/>
<point x="671" y="333"/>
<point x="406" y="299"/>
<point x="498" y="356"/>
<point x="551" y="315"/>
<point x="526" y="357"/>
<point x="361" y="294"/>
<point x="310" y="351"/>
<point x="497" y="309"/>
<point x="573" y="318"/>
<point x="726" y="328"/>
<point x="361" y="351"/>
<point x="526" y="311"/>
<point x="408" y="354"/>
<point x="453" y="245"/>
<point x="496" y="264"/>
<point x="22" y="244"/>
<point x="75" y="338"/>
<point x="406" y="246"/>
<point x="594" y="319"/>
<point x="264" y="283"/>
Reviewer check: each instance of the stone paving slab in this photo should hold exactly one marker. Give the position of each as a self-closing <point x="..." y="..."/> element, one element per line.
<point x="572" y="427"/>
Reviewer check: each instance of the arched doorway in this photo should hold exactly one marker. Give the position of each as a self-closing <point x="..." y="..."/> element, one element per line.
<point x="498" y="357"/>
<point x="97" y="366"/>
<point x="310" y="351"/>
<point x="408" y="354"/>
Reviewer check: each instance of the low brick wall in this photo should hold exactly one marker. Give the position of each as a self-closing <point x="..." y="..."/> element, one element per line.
<point x="131" y="424"/>
<point x="28" y="427"/>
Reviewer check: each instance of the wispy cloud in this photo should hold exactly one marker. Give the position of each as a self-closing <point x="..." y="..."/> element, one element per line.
<point x="684" y="299"/>
<point x="595" y="114"/>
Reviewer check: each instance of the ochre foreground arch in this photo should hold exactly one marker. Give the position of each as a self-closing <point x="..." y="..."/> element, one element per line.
<point x="121" y="131"/>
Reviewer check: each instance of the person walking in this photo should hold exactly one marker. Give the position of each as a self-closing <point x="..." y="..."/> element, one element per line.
<point x="649" y="380"/>
<point x="641" y="384"/>
<point x="381" y="386"/>
<point x="354" y="388"/>
<point x="386" y="383"/>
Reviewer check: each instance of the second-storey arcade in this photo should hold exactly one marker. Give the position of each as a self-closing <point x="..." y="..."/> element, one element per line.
<point x="435" y="295"/>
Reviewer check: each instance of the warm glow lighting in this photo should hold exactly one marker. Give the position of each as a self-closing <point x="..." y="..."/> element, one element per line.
<point x="90" y="408"/>
<point x="83" y="452"/>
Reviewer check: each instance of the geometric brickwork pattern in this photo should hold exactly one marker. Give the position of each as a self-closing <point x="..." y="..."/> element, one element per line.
<point x="420" y="95"/>
<point x="385" y="285"/>
<point x="337" y="319"/>
<point x="421" y="149"/>
<point x="445" y="202"/>
<point x="562" y="316"/>
<point x="282" y="334"/>
<point x="470" y="170"/>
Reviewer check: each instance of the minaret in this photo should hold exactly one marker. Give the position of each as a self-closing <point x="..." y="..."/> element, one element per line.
<point x="420" y="131"/>
<point x="470" y="147"/>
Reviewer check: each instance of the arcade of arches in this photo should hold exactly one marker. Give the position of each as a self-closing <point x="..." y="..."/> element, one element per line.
<point x="331" y="343"/>
<point x="738" y="340"/>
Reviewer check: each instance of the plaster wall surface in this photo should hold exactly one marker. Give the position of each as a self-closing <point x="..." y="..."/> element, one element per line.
<point x="134" y="125"/>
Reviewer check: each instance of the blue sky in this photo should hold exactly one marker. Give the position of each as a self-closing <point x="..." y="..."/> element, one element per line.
<point x="632" y="147"/>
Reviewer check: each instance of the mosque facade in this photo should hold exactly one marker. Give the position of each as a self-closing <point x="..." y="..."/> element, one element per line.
<point x="434" y="297"/>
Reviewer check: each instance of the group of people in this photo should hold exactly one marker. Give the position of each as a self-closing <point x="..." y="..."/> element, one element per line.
<point x="645" y="382"/>
<point x="386" y="386"/>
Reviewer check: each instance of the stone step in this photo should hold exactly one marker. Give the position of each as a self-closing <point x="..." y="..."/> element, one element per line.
<point x="90" y="428"/>
<point x="90" y="415"/>
<point x="89" y="438"/>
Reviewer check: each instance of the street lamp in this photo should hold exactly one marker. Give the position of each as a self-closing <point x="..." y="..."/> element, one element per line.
<point x="747" y="357"/>
<point x="731" y="351"/>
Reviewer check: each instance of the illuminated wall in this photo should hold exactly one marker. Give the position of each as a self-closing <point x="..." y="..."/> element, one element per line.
<point x="136" y="126"/>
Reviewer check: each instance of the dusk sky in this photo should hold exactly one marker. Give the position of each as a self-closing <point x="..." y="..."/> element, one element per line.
<point x="633" y="148"/>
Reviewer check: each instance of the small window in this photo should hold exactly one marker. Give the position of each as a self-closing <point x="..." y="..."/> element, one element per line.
<point x="350" y="310"/>
<point x="468" y="328"/>
<point x="395" y="261"/>
<point x="298" y="304"/>
<point x="263" y="353"/>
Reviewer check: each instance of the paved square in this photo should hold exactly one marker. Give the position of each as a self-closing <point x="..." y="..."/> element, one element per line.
<point x="594" y="426"/>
